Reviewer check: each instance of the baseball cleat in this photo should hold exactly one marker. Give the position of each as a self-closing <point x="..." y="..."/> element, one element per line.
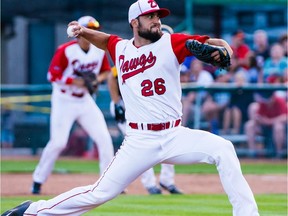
<point x="36" y="188"/>
<point x="154" y="190"/>
<point x="18" y="210"/>
<point x="124" y="191"/>
<point x="172" y="189"/>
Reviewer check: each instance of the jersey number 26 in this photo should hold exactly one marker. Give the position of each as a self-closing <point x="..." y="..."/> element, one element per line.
<point x="150" y="87"/>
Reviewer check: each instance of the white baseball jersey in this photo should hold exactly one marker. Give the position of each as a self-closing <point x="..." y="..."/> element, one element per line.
<point x="142" y="71"/>
<point x="69" y="60"/>
<point x="70" y="103"/>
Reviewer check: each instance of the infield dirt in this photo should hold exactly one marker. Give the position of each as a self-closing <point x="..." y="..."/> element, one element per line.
<point x="20" y="184"/>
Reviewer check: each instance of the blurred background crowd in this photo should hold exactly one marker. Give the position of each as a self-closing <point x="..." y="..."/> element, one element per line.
<point x="236" y="112"/>
<point x="256" y="30"/>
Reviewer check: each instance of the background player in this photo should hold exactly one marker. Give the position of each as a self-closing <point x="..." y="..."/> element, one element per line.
<point x="148" y="68"/>
<point x="71" y="102"/>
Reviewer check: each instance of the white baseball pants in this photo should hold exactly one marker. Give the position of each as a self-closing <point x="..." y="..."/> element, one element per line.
<point x="140" y="151"/>
<point x="65" y="111"/>
<point x="148" y="178"/>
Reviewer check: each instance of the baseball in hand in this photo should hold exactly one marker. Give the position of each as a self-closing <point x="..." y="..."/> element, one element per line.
<point x="70" y="32"/>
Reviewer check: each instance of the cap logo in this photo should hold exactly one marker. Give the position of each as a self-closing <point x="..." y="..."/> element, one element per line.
<point x="152" y="3"/>
<point x="144" y="7"/>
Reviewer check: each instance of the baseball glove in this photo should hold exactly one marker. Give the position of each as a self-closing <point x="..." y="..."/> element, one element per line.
<point x="90" y="81"/>
<point x="203" y="52"/>
<point x="119" y="113"/>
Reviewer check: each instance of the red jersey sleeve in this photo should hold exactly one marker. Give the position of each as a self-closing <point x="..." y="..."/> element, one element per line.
<point x="178" y="41"/>
<point x="105" y="64"/>
<point x="58" y="64"/>
<point x="111" y="46"/>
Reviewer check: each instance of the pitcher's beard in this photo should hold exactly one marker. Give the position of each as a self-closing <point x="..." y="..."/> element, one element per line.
<point x="148" y="35"/>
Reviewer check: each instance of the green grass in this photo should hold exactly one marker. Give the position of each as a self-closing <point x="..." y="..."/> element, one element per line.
<point x="165" y="205"/>
<point x="90" y="166"/>
<point x="162" y="205"/>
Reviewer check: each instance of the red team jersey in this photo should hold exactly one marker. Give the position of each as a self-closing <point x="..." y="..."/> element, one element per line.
<point x="70" y="58"/>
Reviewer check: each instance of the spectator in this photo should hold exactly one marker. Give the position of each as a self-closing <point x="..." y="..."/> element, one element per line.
<point x="267" y="113"/>
<point x="200" y="77"/>
<point x="240" y="49"/>
<point x="283" y="40"/>
<point x="255" y="72"/>
<point x="235" y="112"/>
<point x="260" y="46"/>
<point x="185" y="66"/>
<point x="285" y="76"/>
<point x="216" y="103"/>
<point x="276" y="64"/>
<point x="280" y="79"/>
<point x="185" y="75"/>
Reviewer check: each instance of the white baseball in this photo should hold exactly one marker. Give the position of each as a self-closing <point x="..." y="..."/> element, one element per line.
<point x="70" y="31"/>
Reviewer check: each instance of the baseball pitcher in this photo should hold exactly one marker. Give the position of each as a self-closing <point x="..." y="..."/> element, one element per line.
<point x="148" y="68"/>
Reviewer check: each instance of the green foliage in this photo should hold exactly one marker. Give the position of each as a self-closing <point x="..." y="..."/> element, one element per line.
<point x="165" y="205"/>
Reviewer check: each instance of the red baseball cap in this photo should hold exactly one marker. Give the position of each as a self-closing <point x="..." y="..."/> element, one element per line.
<point x="142" y="7"/>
